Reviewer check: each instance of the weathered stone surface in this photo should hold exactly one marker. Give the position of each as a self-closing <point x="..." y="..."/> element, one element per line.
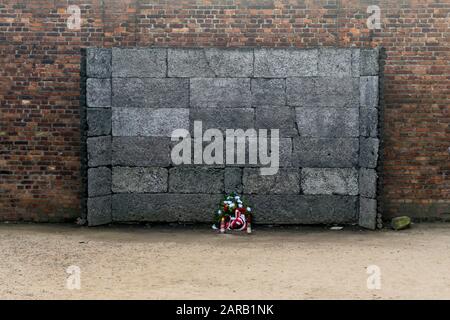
<point x="304" y="209"/>
<point x="196" y="180"/>
<point x="141" y="151"/>
<point x="327" y="122"/>
<point x="368" y="157"/>
<point x="98" y="63"/>
<point x="98" y="93"/>
<point x="323" y="92"/>
<point x="148" y="122"/>
<point x="368" y="183"/>
<point x="233" y="180"/>
<point x="99" y="211"/>
<point x="367" y="213"/>
<point x="273" y="63"/>
<point x="99" y="181"/>
<point x="98" y="121"/>
<point x="139" y="179"/>
<point x="209" y="63"/>
<point x="286" y="181"/>
<point x="356" y="61"/>
<point x="342" y="181"/>
<point x="285" y="152"/>
<point x="369" y="62"/>
<point x="335" y="62"/>
<point x="368" y="122"/>
<point x="226" y="118"/>
<point x="369" y="91"/>
<point x="220" y="92"/>
<point x="325" y="152"/>
<point x="268" y="92"/>
<point x="165" y="207"/>
<point x="139" y="62"/>
<point x="99" y="151"/>
<point x="150" y="92"/>
<point x="282" y="118"/>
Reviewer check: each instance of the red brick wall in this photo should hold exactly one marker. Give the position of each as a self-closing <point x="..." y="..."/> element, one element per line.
<point x="40" y="84"/>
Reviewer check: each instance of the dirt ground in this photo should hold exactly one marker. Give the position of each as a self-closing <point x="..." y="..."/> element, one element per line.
<point x="137" y="262"/>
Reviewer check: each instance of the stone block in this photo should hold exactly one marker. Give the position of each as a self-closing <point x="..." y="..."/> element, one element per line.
<point x="99" y="181"/>
<point x="325" y="152"/>
<point x="196" y="180"/>
<point x="164" y="207"/>
<point x="226" y="118"/>
<point x="210" y="63"/>
<point x="369" y="91"/>
<point x="285" y="152"/>
<point x="139" y="62"/>
<point x="356" y="61"/>
<point x="98" y="63"/>
<point x="220" y="92"/>
<point x="281" y="63"/>
<point x="99" y="122"/>
<point x="368" y="183"/>
<point x="339" y="181"/>
<point x="148" y="122"/>
<point x="233" y="180"/>
<point x="99" y="210"/>
<point x="304" y="209"/>
<point x="327" y="122"/>
<point x="141" y="151"/>
<point x="323" y="92"/>
<point x="139" y="179"/>
<point x="282" y="118"/>
<point x="99" y="151"/>
<point x="286" y="181"/>
<point x="369" y="62"/>
<point x="368" y="123"/>
<point x="150" y="92"/>
<point x="98" y="93"/>
<point x="335" y="62"/>
<point x="368" y="156"/>
<point x="367" y="213"/>
<point x="268" y="92"/>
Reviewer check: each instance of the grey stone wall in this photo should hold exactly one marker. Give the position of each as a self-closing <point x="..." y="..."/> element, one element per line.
<point x="324" y="101"/>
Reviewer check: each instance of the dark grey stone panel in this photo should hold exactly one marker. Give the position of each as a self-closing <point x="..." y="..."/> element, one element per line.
<point x="139" y="179"/>
<point x="141" y="151"/>
<point x="368" y="183"/>
<point x="98" y="93"/>
<point x="286" y="181"/>
<point x="368" y="157"/>
<point x="268" y="92"/>
<point x="367" y="213"/>
<point x="99" y="181"/>
<point x="99" y="210"/>
<point x="335" y="62"/>
<point x="196" y="180"/>
<point x="281" y="63"/>
<point x="282" y="118"/>
<point x="99" y="122"/>
<point x="220" y="92"/>
<point x="99" y="151"/>
<point x="343" y="181"/>
<point x="139" y="62"/>
<point x="98" y="63"/>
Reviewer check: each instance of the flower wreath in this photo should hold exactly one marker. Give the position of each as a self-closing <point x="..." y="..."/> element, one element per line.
<point x="233" y="214"/>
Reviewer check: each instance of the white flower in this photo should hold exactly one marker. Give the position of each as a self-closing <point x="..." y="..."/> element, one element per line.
<point x="249" y="209"/>
<point x="232" y="205"/>
<point x="219" y="211"/>
<point x="240" y="205"/>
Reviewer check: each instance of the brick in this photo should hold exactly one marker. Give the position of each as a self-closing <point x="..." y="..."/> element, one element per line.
<point x="99" y="181"/>
<point x="339" y="181"/>
<point x="368" y="183"/>
<point x="148" y="122"/>
<point x="165" y="207"/>
<point x="368" y="125"/>
<point x="98" y="93"/>
<point x="196" y="180"/>
<point x="99" y="151"/>
<point x="227" y="118"/>
<point x="268" y="92"/>
<point x="367" y="213"/>
<point x="325" y="152"/>
<point x="369" y="62"/>
<point x="282" y="118"/>
<point x="327" y="122"/>
<point x="368" y="152"/>
<point x="233" y="180"/>
<point x="139" y="179"/>
<point x="335" y="62"/>
<point x="98" y="63"/>
<point x="286" y="181"/>
<point x="369" y="91"/>
<point x="99" y="122"/>
<point x="99" y="211"/>
<point x="210" y="63"/>
<point x="273" y="63"/>
<point x="141" y="151"/>
<point x="139" y="62"/>
<point x="150" y="92"/>
<point x="304" y="209"/>
<point x="323" y="92"/>
<point x="220" y="92"/>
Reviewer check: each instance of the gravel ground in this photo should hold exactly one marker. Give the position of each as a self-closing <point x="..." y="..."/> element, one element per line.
<point x="137" y="262"/>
